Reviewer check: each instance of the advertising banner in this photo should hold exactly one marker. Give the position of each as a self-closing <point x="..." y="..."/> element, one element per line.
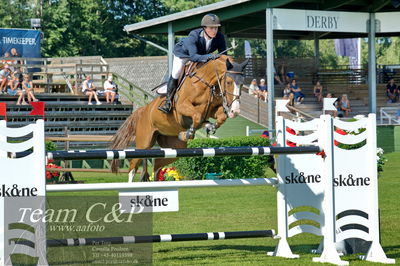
<point x="25" y="41"/>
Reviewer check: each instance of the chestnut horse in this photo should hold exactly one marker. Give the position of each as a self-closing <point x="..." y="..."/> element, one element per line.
<point x="211" y="90"/>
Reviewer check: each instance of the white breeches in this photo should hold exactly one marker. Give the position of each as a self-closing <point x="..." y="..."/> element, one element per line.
<point x="177" y="66"/>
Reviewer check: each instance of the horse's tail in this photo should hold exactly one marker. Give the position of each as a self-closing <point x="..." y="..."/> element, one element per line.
<point x="125" y="135"/>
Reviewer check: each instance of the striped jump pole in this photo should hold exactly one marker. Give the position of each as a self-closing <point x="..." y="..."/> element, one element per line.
<point x="177" y="153"/>
<point x="156" y="238"/>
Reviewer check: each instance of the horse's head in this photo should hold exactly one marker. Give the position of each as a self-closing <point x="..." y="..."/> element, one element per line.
<point x="231" y="89"/>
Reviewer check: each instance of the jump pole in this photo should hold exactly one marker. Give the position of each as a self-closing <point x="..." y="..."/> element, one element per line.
<point x="176" y="153"/>
<point x="156" y="238"/>
<point x="162" y="185"/>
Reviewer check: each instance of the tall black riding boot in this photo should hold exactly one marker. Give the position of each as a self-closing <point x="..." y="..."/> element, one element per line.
<point x="171" y="87"/>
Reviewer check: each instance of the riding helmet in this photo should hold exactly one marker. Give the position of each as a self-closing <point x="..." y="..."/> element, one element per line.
<point x="210" y="20"/>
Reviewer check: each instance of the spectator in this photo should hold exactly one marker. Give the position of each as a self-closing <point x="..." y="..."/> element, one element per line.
<point x="253" y="88"/>
<point x="27" y="86"/>
<point x="286" y="91"/>
<point x="89" y="89"/>
<point x="318" y="91"/>
<point x="16" y="87"/>
<point x="290" y="103"/>
<point x="344" y="105"/>
<point x="263" y="90"/>
<point x="13" y="85"/>
<point x="6" y="61"/>
<point x="298" y="95"/>
<point x="392" y="91"/>
<point x="14" y="53"/>
<point x="110" y="90"/>
<point x="5" y="77"/>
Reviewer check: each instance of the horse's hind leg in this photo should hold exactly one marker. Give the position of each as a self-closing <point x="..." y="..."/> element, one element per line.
<point x="145" y="139"/>
<point x="167" y="142"/>
<point x="133" y="167"/>
<point x="144" y="177"/>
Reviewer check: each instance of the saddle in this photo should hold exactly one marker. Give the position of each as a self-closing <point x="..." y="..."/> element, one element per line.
<point x="162" y="88"/>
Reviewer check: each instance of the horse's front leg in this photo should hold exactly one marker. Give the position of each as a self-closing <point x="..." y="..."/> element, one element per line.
<point x="220" y="116"/>
<point x="188" y="109"/>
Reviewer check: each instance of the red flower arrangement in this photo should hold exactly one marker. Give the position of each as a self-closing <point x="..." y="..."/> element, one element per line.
<point x="52" y="176"/>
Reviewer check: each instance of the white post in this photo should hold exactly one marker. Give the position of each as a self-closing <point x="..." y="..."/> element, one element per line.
<point x="375" y="252"/>
<point x="283" y="248"/>
<point x="371" y="64"/>
<point x="329" y="253"/>
<point x="247" y="131"/>
<point x="270" y="66"/>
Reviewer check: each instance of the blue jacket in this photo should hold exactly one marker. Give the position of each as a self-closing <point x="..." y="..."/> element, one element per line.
<point x="194" y="46"/>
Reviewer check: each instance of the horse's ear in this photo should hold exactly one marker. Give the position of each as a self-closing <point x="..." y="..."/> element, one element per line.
<point x="228" y="64"/>
<point x="244" y="64"/>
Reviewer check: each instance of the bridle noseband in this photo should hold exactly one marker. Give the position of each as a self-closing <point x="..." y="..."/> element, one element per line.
<point x="223" y="91"/>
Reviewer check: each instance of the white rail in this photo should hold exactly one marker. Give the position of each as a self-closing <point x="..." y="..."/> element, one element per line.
<point x="161" y="185"/>
<point x="385" y="115"/>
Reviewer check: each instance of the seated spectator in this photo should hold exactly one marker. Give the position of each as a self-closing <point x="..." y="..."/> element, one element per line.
<point x="318" y="91"/>
<point x="7" y="61"/>
<point x="13" y="85"/>
<point x="290" y="103"/>
<point x="286" y="91"/>
<point x="89" y="89"/>
<point x="298" y="95"/>
<point x="5" y="77"/>
<point x="110" y="90"/>
<point x="27" y="87"/>
<point x="14" y="53"/>
<point x="392" y="91"/>
<point x="253" y="88"/>
<point x="263" y="91"/>
<point x="344" y="105"/>
<point x="16" y="89"/>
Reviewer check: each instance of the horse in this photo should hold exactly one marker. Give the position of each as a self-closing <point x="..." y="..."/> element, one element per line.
<point x="209" y="90"/>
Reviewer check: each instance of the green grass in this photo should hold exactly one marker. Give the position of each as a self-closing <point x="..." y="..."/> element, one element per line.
<point x="245" y="208"/>
<point x="233" y="127"/>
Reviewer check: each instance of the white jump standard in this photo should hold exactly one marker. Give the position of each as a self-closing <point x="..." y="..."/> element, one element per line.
<point x="340" y="189"/>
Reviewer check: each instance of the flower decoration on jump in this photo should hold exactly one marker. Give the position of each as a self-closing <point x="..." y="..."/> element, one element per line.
<point x="52" y="176"/>
<point x="168" y="174"/>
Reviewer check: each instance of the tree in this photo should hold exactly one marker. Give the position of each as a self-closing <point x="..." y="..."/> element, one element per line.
<point x="16" y="13"/>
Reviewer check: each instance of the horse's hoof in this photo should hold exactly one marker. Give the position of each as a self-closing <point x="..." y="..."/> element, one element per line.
<point x="190" y="133"/>
<point x="182" y="136"/>
<point x="210" y="128"/>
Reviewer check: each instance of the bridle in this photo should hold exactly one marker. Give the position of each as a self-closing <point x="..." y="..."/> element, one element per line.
<point x="223" y="92"/>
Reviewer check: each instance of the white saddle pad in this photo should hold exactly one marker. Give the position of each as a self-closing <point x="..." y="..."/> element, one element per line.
<point x="161" y="89"/>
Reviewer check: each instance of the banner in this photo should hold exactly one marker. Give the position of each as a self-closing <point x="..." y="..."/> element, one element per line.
<point x="26" y="42"/>
<point x="317" y="20"/>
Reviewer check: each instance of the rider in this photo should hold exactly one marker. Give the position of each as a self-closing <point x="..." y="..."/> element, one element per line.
<point x="197" y="47"/>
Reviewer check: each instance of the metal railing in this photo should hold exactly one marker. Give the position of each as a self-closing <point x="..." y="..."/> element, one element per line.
<point x="132" y="92"/>
<point x="389" y="114"/>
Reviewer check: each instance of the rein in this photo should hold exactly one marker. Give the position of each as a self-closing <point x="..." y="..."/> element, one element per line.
<point x="213" y="92"/>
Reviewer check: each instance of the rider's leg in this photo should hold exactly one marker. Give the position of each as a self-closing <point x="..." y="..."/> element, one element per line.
<point x="178" y="63"/>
